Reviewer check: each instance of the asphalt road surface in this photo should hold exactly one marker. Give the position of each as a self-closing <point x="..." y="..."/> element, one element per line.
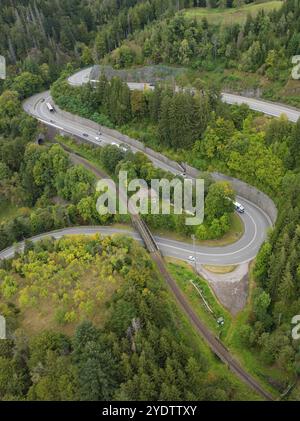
<point x="265" y="107"/>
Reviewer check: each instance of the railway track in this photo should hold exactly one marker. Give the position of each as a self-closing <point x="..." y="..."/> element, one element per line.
<point x="214" y="343"/>
<point x="142" y="228"/>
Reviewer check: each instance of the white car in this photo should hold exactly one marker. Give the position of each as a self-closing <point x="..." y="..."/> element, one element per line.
<point x="238" y="207"/>
<point x="192" y="258"/>
<point x="97" y="138"/>
<point x="123" y="147"/>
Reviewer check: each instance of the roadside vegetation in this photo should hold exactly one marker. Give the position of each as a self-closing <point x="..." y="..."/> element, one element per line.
<point x="138" y="345"/>
<point x="52" y="193"/>
<point x="235" y="15"/>
<point x="251" y="53"/>
<point x="215" y="41"/>
<point x="90" y="319"/>
<point x="220" y="225"/>
<point x="273" y="376"/>
<point x="235" y="232"/>
<point x="189" y="120"/>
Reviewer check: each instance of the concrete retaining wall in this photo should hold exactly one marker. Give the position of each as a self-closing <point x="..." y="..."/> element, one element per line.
<point x="244" y="190"/>
<point x="251" y="193"/>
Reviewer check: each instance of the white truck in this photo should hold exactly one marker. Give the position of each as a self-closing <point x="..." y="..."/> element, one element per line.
<point x="50" y="107"/>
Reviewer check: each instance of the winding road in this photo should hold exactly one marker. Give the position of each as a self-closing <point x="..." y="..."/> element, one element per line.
<point x="255" y="220"/>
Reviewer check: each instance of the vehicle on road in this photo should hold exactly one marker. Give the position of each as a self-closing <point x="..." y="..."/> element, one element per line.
<point x="182" y="174"/>
<point x="85" y="135"/>
<point x="50" y="107"/>
<point x="97" y="138"/>
<point x="238" y="207"/>
<point x="192" y="258"/>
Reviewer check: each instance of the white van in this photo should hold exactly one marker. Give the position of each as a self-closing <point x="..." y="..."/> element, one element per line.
<point x="238" y="207"/>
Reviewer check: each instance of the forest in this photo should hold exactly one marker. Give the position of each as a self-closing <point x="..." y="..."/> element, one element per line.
<point x="140" y="338"/>
<point x="262" y="42"/>
<point x="257" y="149"/>
<point x="114" y="332"/>
<point x="41" y="36"/>
<point x="222" y="138"/>
<point x="52" y="193"/>
<point x="40" y="182"/>
<point x="255" y="55"/>
<point x="219" y="212"/>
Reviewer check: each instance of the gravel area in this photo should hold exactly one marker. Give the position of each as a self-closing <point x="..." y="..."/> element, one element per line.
<point x="231" y="289"/>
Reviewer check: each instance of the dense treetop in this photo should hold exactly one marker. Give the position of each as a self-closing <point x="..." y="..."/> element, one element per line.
<point x="139" y="347"/>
